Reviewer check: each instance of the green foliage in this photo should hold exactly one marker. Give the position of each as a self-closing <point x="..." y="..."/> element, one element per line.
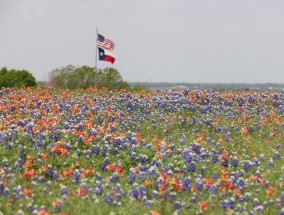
<point x="72" y="77"/>
<point x="16" y="78"/>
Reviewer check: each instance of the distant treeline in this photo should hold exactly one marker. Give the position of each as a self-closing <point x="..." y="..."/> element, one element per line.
<point x="215" y="86"/>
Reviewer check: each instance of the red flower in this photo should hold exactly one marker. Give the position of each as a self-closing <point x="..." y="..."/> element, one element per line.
<point x="110" y="167"/>
<point x="29" y="173"/>
<point x="30" y="158"/>
<point x="27" y="191"/>
<point x="269" y="192"/>
<point x="119" y="169"/>
<point x="164" y="174"/>
<point x="88" y="171"/>
<point x="178" y="187"/>
<point x="83" y="191"/>
<point x="147" y="182"/>
<point x="203" y="205"/>
<point x="154" y="212"/>
<point x="237" y="191"/>
<point x="44" y="155"/>
<point x="208" y="181"/>
<point x="229" y="185"/>
<point x="28" y="164"/>
<point x="43" y="212"/>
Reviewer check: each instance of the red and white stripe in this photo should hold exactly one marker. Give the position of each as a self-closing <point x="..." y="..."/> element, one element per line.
<point x="107" y="44"/>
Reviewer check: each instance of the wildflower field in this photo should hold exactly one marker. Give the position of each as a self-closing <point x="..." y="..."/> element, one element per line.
<point x="168" y="152"/>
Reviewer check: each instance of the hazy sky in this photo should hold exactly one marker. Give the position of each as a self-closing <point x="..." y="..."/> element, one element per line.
<point x="156" y="40"/>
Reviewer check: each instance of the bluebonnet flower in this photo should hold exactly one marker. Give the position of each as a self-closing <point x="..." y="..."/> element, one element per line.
<point x="142" y="190"/>
<point x="9" y="145"/>
<point x="182" y="139"/>
<point x="276" y="156"/>
<point x="134" y="193"/>
<point x="186" y="183"/>
<point x="5" y="162"/>
<point x="204" y="154"/>
<point x="115" y="152"/>
<point x="149" y="203"/>
<point x="224" y="162"/>
<point x="234" y="162"/>
<point x="212" y="189"/>
<point x="18" y="190"/>
<point x="154" y="194"/>
<point x="132" y="155"/>
<point x="114" y="196"/>
<point x="270" y="164"/>
<point x="30" y="207"/>
<point x="186" y="154"/>
<point x="49" y="170"/>
<point x="114" y="177"/>
<point x="98" y="188"/>
<point x="109" y="198"/>
<point x="95" y="149"/>
<point x="172" y="196"/>
<point x="56" y="175"/>
<point x="228" y="136"/>
<point x="259" y="208"/>
<point x="131" y="176"/>
<point x="98" y="176"/>
<point x="63" y="190"/>
<point x="177" y="205"/>
<point x="143" y="158"/>
<point x="76" y="176"/>
<point x="105" y="163"/>
<point x="104" y="150"/>
<point x="255" y="202"/>
<point x="228" y="203"/>
<point x="195" y="147"/>
<point x="255" y="162"/>
<point x="262" y="157"/>
<point x="247" y="165"/>
<point x="49" y="184"/>
<point x="215" y="158"/>
<point x="281" y="197"/>
<point x="192" y="166"/>
<point x="193" y="198"/>
<point x="203" y="170"/>
<point x="6" y="191"/>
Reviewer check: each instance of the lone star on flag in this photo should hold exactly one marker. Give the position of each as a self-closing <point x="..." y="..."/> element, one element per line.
<point x="106" y="55"/>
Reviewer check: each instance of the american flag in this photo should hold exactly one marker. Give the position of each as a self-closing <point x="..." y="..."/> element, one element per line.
<point x="105" y="43"/>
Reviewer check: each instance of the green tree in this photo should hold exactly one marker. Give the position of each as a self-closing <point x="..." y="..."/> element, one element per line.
<point x="16" y="78"/>
<point x="72" y="77"/>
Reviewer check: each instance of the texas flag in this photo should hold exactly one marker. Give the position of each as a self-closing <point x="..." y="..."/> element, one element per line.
<point x="106" y="55"/>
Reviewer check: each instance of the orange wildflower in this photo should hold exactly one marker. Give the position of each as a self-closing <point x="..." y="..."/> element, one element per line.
<point x="203" y="205"/>
<point x="147" y="182"/>
<point x="269" y="192"/>
<point x="154" y="212"/>
<point x="27" y="191"/>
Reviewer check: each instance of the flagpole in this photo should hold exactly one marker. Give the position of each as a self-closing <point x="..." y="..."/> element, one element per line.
<point x="96" y="63"/>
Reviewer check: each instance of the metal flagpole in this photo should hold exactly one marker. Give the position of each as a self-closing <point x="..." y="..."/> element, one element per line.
<point x="96" y="65"/>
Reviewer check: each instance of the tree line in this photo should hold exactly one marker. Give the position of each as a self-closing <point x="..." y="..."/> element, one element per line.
<point x="16" y="78"/>
<point x="71" y="77"/>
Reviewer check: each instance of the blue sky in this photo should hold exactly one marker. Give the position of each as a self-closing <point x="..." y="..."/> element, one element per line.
<point x="205" y="41"/>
